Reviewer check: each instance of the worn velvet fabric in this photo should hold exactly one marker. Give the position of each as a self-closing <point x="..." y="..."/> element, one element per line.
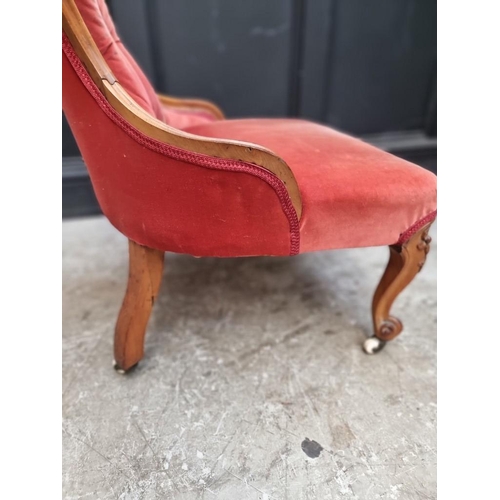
<point x="95" y="13"/>
<point x="160" y="196"/>
<point x="353" y="194"/>
<point x="166" y="198"/>
<point x="98" y="21"/>
<point x="184" y="118"/>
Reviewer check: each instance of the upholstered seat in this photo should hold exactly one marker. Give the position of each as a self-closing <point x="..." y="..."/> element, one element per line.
<point x="174" y="175"/>
<point x="353" y="194"/>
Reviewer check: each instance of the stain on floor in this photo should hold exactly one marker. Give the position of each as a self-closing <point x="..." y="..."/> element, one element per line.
<point x="311" y="448"/>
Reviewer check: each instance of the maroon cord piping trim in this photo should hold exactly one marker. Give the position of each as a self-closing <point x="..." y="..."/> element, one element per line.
<point x="186" y="156"/>
<point x="416" y="227"/>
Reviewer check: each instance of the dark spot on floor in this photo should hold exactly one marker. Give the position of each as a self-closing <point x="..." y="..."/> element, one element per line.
<point x="311" y="448"/>
<point x="329" y="332"/>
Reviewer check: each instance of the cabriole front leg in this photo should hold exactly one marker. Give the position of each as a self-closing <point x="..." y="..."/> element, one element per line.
<point x="144" y="280"/>
<point x="405" y="262"/>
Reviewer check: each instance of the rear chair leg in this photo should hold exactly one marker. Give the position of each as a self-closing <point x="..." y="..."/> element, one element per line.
<point x="144" y="279"/>
<point x="404" y="263"/>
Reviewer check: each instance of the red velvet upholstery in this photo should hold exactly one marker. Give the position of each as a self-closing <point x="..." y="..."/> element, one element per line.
<point x="184" y="118"/>
<point x="95" y="13"/>
<point x="98" y="21"/>
<point x="166" y="198"/>
<point x="353" y="194"/>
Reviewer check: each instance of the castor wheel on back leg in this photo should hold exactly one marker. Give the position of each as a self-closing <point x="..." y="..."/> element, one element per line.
<point x="405" y="261"/>
<point x="121" y="371"/>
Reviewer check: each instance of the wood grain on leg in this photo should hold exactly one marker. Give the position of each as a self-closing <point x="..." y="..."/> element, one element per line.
<point x="405" y="262"/>
<point x="144" y="279"/>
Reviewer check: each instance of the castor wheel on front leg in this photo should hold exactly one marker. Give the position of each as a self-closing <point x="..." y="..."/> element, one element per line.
<point x="372" y="345"/>
<point x="406" y="260"/>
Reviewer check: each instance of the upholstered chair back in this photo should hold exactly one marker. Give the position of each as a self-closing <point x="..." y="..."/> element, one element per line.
<point x="96" y="16"/>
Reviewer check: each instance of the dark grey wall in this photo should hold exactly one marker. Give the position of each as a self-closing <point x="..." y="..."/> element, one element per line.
<point x="364" y="66"/>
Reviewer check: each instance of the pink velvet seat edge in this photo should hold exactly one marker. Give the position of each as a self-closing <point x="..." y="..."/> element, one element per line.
<point x="353" y="194"/>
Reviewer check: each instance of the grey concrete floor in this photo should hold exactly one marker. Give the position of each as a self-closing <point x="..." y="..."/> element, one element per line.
<point x="248" y="361"/>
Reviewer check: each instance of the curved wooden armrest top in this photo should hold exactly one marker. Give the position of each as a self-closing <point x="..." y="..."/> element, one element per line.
<point x="192" y="105"/>
<point x="120" y="100"/>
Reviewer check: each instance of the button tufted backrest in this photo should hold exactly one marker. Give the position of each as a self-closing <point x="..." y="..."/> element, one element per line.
<point x="96" y="16"/>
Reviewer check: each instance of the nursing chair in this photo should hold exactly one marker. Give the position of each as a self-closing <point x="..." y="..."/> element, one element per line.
<point x="174" y="175"/>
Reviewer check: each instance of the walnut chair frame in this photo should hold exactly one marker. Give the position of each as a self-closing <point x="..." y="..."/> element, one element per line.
<point x="146" y="264"/>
